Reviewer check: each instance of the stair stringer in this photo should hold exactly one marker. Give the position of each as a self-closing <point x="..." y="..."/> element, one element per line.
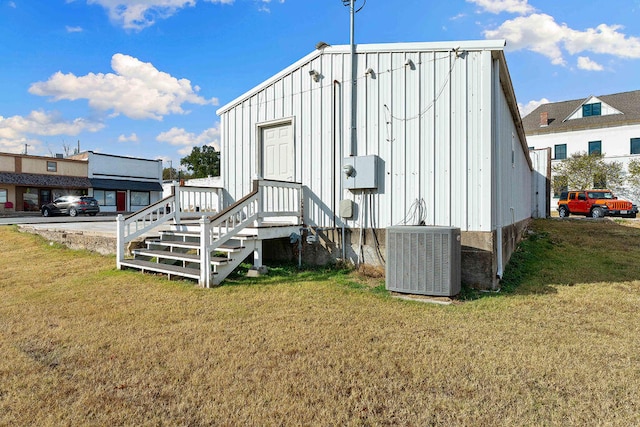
<point x="223" y="271"/>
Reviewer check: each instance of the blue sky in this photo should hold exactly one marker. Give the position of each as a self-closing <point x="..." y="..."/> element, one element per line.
<point x="144" y="78"/>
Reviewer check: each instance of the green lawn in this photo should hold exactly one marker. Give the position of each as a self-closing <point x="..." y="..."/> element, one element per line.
<point x="84" y="344"/>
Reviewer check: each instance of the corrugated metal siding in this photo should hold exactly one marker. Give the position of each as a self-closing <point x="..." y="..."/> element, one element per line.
<point x="430" y="124"/>
<point x="514" y="201"/>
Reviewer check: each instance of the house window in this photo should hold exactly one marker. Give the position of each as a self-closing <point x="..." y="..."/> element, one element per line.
<point x="635" y="145"/>
<point x="52" y="166"/>
<point x="595" y="147"/>
<point x="560" y="151"/>
<point x="594" y="109"/>
<point x="3" y="196"/>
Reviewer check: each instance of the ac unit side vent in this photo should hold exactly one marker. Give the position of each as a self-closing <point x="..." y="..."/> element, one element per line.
<point x="423" y="260"/>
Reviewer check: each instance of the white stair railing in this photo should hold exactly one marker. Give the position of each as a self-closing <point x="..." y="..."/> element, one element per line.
<point x="269" y="199"/>
<point x="174" y="207"/>
<point x="274" y="200"/>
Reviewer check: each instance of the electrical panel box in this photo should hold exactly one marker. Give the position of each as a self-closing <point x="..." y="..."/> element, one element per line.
<point x="424" y="260"/>
<point x="361" y="172"/>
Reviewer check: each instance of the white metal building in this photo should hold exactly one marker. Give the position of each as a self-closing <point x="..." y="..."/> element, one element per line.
<point x="437" y="140"/>
<point x="609" y="124"/>
<point x="123" y="183"/>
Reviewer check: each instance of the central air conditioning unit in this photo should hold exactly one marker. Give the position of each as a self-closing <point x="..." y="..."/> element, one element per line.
<point x="423" y="260"/>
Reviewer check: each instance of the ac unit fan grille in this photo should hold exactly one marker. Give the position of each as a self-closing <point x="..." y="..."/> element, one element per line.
<point x="423" y="260"/>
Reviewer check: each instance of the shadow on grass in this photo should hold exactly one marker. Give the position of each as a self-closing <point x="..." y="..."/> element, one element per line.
<point x="281" y="273"/>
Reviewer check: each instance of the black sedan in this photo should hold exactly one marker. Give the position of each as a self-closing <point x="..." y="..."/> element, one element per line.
<point x="72" y="206"/>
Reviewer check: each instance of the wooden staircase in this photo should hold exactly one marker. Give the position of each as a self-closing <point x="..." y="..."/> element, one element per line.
<point x="177" y="254"/>
<point x="209" y="249"/>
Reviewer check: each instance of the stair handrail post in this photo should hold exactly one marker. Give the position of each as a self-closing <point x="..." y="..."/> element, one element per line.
<point x="177" y="207"/>
<point x="300" y="204"/>
<point x="205" y="252"/>
<point x="119" y="241"/>
<point x="260" y="208"/>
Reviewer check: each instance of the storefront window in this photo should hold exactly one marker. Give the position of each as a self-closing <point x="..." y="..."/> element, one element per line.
<point x="99" y="196"/>
<point x="139" y="198"/>
<point x="109" y="198"/>
<point x="105" y="198"/>
<point x="30" y="200"/>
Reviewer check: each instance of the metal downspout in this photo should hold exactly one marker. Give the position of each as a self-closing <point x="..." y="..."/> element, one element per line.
<point x="497" y="158"/>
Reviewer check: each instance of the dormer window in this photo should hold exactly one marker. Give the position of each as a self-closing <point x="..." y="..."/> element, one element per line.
<point x="594" y="109"/>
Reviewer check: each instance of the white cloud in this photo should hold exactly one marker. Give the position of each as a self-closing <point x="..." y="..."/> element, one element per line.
<point x="604" y="39"/>
<point x="17" y="146"/>
<point x="521" y="7"/>
<point x="131" y="138"/>
<point x="187" y="140"/>
<point x="542" y="34"/>
<point x="140" y="14"/>
<point x="538" y="32"/>
<point x="586" y="63"/>
<point x="16" y="131"/>
<point x="73" y="29"/>
<point x="44" y="124"/>
<point x="530" y="106"/>
<point x="137" y="90"/>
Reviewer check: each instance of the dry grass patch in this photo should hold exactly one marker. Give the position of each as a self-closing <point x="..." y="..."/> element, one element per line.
<point x="83" y="344"/>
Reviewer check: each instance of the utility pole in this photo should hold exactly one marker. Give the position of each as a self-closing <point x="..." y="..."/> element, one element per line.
<point x="354" y="76"/>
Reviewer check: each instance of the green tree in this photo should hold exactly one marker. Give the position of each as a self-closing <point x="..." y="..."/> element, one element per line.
<point x="202" y="162"/>
<point x="582" y="171"/>
<point x="633" y="179"/>
<point x="169" y="174"/>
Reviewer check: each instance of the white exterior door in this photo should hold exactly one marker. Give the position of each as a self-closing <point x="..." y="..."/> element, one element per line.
<point x="277" y="152"/>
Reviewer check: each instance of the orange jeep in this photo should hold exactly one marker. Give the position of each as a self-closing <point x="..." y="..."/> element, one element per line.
<point x="594" y="203"/>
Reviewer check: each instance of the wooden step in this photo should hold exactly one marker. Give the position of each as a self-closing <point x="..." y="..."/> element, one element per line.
<point x="178" y="256"/>
<point x="171" y="270"/>
<point x="196" y="234"/>
<point x="228" y="247"/>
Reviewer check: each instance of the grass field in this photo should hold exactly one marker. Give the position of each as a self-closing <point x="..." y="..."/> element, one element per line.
<point x="84" y="344"/>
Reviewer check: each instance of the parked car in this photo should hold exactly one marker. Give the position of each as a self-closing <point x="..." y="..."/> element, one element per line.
<point x="595" y="203"/>
<point x="72" y="206"/>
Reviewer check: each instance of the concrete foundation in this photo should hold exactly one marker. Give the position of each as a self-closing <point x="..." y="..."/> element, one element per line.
<point x="479" y="266"/>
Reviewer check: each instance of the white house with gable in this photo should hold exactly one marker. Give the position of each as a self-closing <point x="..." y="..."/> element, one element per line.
<point x="606" y="124"/>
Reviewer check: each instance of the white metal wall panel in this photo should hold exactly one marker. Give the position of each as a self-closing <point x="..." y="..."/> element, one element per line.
<point x="409" y="86"/>
<point x="426" y="148"/>
<point x="541" y="160"/>
<point x="109" y="166"/>
<point x="442" y="188"/>
<point x="459" y="84"/>
<point x="430" y="124"/>
<point x="478" y="143"/>
<point x="514" y="199"/>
